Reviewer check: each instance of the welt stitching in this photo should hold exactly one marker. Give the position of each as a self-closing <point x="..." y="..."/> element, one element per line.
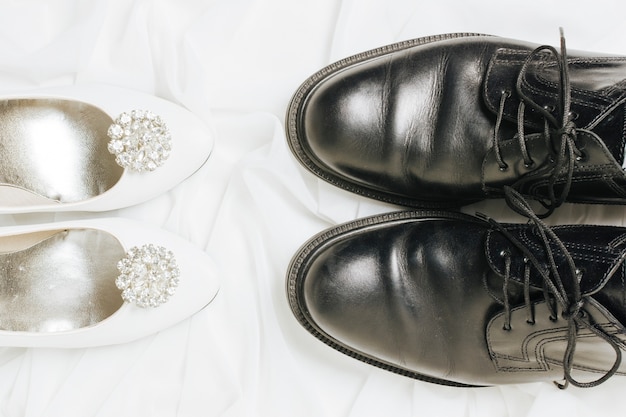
<point x="543" y="62"/>
<point x="579" y="178"/>
<point x="581" y="103"/>
<point x="522" y="55"/>
<point x="581" y="256"/>
<point x="617" y="241"/>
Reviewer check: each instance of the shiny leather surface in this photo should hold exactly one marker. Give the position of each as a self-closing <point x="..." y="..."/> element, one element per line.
<point x="414" y="125"/>
<point x="393" y="291"/>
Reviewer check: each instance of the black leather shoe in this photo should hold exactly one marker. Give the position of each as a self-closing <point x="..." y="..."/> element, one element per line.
<point x="449" y="120"/>
<point x="457" y="300"/>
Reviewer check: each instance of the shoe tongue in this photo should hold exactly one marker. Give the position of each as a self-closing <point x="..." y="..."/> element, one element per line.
<point x="596" y="251"/>
<point x="597" y="85"/>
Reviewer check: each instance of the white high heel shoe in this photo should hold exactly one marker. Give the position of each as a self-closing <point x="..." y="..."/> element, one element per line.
<point x="97" y="282"/>
<point x="94" y="148"/>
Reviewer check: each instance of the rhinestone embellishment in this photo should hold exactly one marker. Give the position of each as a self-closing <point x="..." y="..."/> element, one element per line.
<point x="148" y="275"/>
<point x="140" y="140"/>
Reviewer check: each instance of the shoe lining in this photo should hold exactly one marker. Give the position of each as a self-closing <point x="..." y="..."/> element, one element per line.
<point x="58" y="280"/>
<point x="56" y="149"/>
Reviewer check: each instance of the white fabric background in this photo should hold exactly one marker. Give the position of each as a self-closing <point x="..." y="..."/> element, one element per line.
<point x="235" y="63"/>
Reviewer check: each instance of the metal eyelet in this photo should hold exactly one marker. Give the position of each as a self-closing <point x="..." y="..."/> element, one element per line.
<point x="583" y="157"/>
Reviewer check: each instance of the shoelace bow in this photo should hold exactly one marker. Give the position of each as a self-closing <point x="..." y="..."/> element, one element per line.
<point x="572" y="303"/>
<point x="560" y="135"/>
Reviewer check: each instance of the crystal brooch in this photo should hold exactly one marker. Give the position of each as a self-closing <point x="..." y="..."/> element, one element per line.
<point x="148" y="275"/>
<point x="140" y="140"/>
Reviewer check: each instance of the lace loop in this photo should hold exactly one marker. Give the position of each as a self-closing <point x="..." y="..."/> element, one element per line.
<point x="505" y="289"/>
<point x="560" y="134"/>
<point x="573" y="311"/>
<point x="503" y="166"/>
<point x="530" y="314"/>
<point x="568" y="297"/>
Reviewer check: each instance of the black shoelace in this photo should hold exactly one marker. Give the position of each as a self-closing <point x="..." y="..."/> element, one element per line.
<point x="559" y="134"/>
<point x="572" y="303"/>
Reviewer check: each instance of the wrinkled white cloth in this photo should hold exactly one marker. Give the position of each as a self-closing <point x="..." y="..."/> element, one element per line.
<point x="235" y="63"/>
